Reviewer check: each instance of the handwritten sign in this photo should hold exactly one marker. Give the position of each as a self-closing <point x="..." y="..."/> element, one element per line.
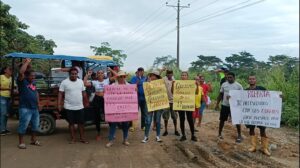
<point x="156" y="95"/>
<point x="184" y="95"/>
<point x="120" y="103"/>
<point x="256" y="107"/>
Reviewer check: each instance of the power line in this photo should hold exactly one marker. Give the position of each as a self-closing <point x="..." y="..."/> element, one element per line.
<point x="143" y="23"/>
<point x="153" y="41"/>
<point x="152" y="30"/>
<point x="208" y="17"/>
<point x="201" y="7"/>
<point x="224" y="9"/>
<point x="137" y="36"/>
<point x="204" y="19"/>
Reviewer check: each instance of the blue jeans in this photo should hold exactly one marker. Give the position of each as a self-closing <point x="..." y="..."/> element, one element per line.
<point x="148" y="121"/>
<point x="113" y="127"/>
<point x="201" y="110"/>
<point x="4" y="106"/>
<point x="26" y="116"/>
<point x="143" y="108"/>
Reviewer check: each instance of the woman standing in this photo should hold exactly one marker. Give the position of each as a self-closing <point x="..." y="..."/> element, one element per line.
<point x="98" y="101"/>
<point x="5" y="87"/>
<point x="149" y="115"/>
<point x="121" y="80"/>
<point x="189" y="115"/>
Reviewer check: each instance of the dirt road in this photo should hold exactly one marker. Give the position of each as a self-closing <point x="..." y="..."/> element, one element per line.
<point x="207" y="152"/>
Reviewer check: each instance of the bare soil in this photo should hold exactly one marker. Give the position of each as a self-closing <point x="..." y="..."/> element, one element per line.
<point x="55" y="151"/>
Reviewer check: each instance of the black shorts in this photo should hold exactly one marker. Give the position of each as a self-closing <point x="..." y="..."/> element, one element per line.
<point x="225" y="112"/>
<point x="75" y="116"/>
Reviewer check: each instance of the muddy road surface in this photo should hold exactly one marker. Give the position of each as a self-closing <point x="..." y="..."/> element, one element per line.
<point x="56" y="152"/>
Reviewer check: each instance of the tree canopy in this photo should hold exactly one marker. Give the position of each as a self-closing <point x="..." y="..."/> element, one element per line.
<point x="205" y="62"/>
<point x="165" y="61"/>
<point x="14" y="38"/>
<point x="105" y="49"/>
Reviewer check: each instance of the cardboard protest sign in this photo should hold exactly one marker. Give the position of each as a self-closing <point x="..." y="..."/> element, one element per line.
<point x="184" y="95"/>
<point x="256" y="107"/>
<point x="156" y="95"/>
<point x="120" y="103"/>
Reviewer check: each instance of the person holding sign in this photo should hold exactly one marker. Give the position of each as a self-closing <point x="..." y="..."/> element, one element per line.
<point x="139" y="79"/>
<point x="184" y="105"/>
<point x="166" y="115"/>
<point x="230" y="84"/>
<point x="121" y="80"/>
<point x="264" y="138"/>
<point x="154" y="75"/>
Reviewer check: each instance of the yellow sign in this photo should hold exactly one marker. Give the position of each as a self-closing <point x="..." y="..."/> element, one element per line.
<point x="101" y="57"/>
<point x="184" y="95"/>
<point x="156" y="95"/>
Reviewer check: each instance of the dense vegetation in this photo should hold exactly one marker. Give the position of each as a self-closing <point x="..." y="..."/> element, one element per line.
<point x="280" y="73"/>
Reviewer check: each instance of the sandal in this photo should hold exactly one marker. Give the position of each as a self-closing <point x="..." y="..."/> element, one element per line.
<point x="22" y="146"/>
<point x="36" y="143"/>
<point x="84" y="141"/>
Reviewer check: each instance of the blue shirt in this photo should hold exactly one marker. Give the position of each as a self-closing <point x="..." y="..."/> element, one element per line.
<point x="28" y="94"/>
<point x="141" y="80"/>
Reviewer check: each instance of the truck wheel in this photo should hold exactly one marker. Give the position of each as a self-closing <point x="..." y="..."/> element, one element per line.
<point x="47" y="124"/>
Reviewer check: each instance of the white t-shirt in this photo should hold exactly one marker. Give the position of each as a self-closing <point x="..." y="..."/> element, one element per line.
<point x="226" y="86"/>
<point x="73" y="93"/>
<point x="99" y="86"/>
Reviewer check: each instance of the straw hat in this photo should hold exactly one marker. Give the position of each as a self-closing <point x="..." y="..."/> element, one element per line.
<point x="156" y="73"/>
<point x="121" y="73"/>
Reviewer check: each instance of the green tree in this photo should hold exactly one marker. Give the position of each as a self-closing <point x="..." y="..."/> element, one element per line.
<point x="204" y="63"/>
<point x="241" y="61"/>
<point x="287" y="63"/>
<point x="105" y="49"/>
<point x="165" y="61"/>
<point x="13" y="37"/>
<point x="45" y="45"/>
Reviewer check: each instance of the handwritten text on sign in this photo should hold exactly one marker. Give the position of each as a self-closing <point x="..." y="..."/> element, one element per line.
<point x="184" y="95"/>
<point x="156" y="95"/>
<point x="121" y="103"/>
<point x="256" y="107"/>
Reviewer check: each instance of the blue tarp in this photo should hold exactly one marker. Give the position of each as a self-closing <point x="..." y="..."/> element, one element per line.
<point x="60" y="57"/>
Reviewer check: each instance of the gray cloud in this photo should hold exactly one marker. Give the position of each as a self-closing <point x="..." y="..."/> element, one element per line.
<point x="269" y="28"/>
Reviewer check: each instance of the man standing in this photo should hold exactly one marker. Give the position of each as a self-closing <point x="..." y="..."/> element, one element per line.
<point x="264" y="138"/>
<point x="223" y="75"/>
<point x="75" y="95"/>
<point x="28" y="104"/>
<point x="230" y="84"/>
<point x="139" y="79"/>
<point x="166" y="115"/>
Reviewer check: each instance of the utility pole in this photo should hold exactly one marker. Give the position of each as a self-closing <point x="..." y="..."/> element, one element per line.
<point x="178" y="8"/>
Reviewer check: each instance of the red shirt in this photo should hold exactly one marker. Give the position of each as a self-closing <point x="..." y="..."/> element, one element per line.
<point x="205" y="88"/>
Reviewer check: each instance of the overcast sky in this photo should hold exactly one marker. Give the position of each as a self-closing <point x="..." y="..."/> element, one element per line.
<point x="145" y="29"/>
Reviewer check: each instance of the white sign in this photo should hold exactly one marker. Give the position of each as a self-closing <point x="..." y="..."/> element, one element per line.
<point x="256" y="107"/>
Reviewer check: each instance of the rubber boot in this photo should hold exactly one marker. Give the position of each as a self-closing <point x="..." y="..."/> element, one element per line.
<point x="253" y="143"/>
<point x="265" y="146"/>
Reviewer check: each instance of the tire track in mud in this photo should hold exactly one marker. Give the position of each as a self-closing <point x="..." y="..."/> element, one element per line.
<point x="208" y="156"/>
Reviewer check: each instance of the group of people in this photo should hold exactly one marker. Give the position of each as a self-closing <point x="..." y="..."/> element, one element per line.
<point x="72" y="98"/>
